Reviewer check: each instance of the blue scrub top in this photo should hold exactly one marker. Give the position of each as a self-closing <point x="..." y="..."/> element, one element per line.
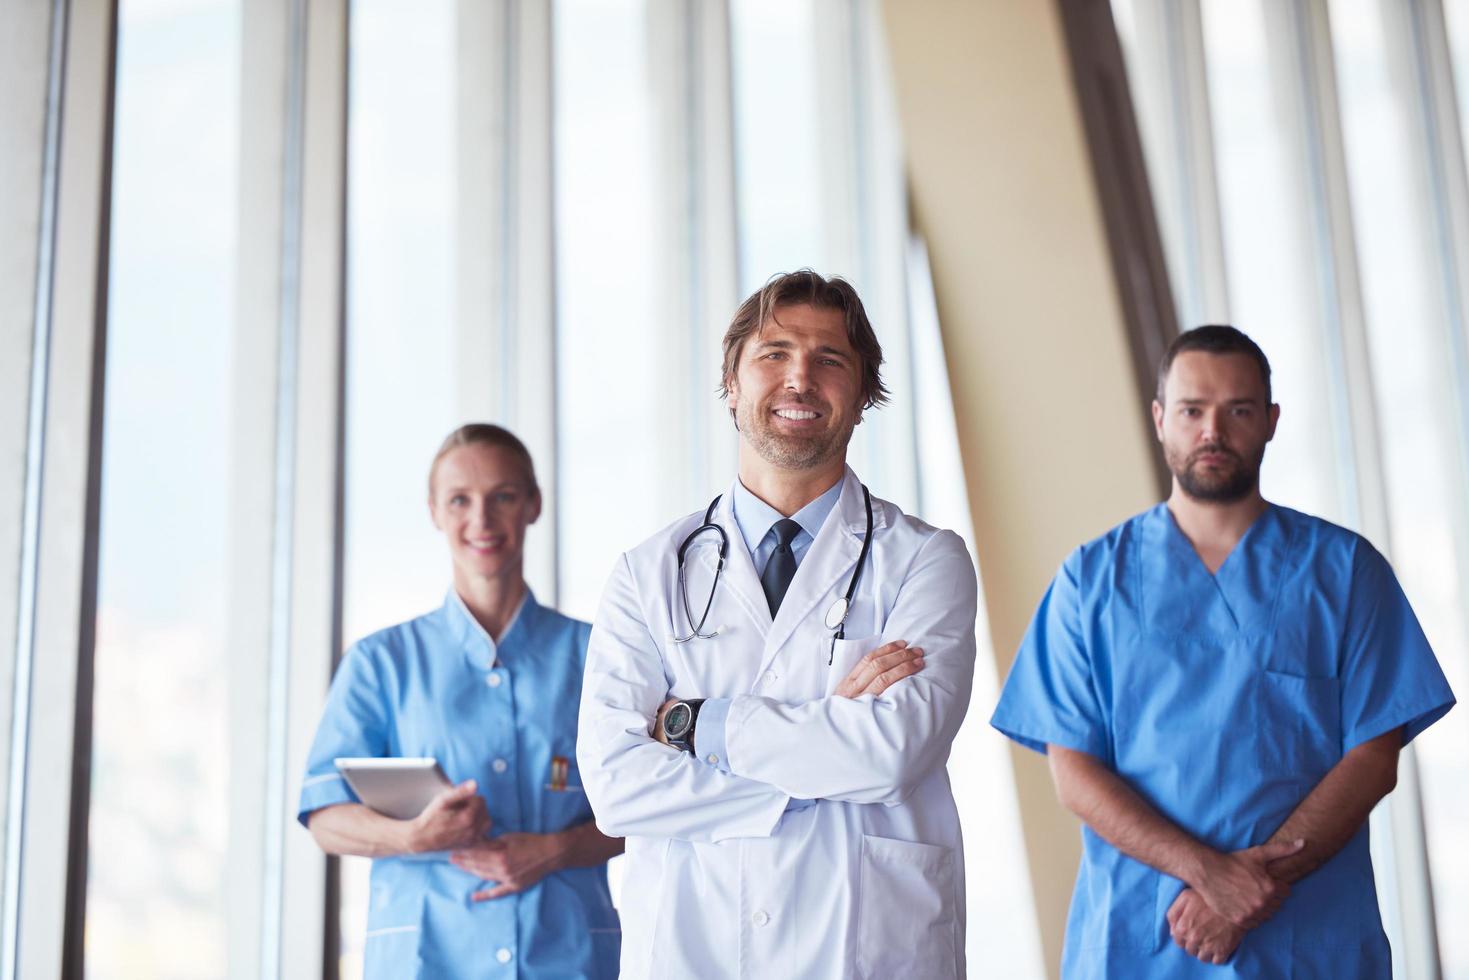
<point x="506" y="716"/>
<point x="1223" y="699"/>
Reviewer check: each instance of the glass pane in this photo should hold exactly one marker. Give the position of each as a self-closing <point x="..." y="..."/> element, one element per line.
<point x="1270" y="252"/>
<point x="156" y="889"/>
<point x="1403" y="271"/>
<point x="610" y="323"/>
<point x="400" y="331"/>
<point x="778" y="145"/>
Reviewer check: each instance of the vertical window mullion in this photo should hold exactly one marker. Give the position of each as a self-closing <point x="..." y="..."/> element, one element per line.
<point x="30" y="106"/>
<point x="46" y="803"/>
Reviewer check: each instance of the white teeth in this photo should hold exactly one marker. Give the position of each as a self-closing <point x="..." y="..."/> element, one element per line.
<point x="794" y="413"/>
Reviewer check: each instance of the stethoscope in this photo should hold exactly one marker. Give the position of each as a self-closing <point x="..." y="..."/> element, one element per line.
<point x="836" y="616"/>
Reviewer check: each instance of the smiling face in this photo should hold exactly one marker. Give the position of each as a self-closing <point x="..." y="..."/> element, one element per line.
<point x="796" y="391"/>
<point x="481" y="498"/>
<point x="1214" y="423"/>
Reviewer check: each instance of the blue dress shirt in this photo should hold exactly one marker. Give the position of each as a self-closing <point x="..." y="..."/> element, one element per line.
<point x="756" y="520"/>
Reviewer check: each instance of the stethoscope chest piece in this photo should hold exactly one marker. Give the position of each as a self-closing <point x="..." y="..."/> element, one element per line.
<point x="837" y="614"/>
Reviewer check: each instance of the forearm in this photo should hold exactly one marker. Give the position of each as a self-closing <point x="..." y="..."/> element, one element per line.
<point x="355" y="829"/>
<point x="639" y="787"/>
<point x="1333" y="812"/>
<point x="868" y="750"/>
<point x="1116" y="813"/>
<point x="584" y="846"/>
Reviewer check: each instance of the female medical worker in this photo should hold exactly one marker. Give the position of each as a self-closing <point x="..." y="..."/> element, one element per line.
<point x="503" y="875"/>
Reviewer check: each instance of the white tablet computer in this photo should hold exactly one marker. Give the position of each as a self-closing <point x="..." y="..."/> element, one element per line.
<point x="398" y="788"/>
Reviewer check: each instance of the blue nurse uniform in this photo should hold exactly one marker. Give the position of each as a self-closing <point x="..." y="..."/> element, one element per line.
<point x="1223" y="700"/>
<point x="504" y="715"/>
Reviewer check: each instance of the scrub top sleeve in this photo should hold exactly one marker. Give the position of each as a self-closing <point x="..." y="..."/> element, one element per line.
<point x="1389" y="675"/>
<point x="1049" y="699"/>
<point x="355" y="722"/>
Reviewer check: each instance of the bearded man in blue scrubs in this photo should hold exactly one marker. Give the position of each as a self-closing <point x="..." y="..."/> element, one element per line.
<point x="1222" y="686"/>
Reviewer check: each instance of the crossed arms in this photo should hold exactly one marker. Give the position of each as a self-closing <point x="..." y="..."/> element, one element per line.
<point x="855" y="749"/>
<point x="1229" y="893"/>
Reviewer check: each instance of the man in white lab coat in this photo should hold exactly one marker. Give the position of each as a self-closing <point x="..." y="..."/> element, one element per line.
<point x="774" y="754"/>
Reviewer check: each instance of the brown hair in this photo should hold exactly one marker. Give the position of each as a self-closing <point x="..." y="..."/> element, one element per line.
<point x="807" y="287"/>
<point x="1213" y="338"/>
<point x="485" y="434"/>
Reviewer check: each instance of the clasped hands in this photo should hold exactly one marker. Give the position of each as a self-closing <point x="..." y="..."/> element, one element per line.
<point x="1232" y="894"/>
<point x="873" y="674"/>
<point x="457" y="821"/>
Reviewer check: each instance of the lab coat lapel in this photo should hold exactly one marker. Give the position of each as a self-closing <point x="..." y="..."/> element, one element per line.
<point x="822" y="576"/>
<point x="739" y="568"/>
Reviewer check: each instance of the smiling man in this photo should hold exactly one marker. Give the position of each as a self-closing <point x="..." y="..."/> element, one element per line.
<point x="1223" y="686"/>
<point x="773" y="683"/>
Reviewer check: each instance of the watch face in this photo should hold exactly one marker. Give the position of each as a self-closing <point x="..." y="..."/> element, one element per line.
<point x="676" y="722"/>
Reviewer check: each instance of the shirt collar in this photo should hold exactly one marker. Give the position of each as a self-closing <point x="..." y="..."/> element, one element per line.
<point x="755" y="517"/>
<point x="478" y="646"/>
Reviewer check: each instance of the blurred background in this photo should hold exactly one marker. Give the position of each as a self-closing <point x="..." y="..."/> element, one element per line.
<point x="257" y="257"/>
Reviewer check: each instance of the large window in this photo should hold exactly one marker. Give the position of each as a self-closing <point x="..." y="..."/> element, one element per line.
<point x="400" y="334"/>
<point x="535" y="214"/>
<point x="617" y="384"/>
<point x="157" y="890"/>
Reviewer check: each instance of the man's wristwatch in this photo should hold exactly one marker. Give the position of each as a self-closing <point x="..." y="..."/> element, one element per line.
<point x="678" y="723"/>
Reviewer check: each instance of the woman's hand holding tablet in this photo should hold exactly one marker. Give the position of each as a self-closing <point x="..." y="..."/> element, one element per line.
<point x="457" y="817"/>
<point x="436" y="814"/>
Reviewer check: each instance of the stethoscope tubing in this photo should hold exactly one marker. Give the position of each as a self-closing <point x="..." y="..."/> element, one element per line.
<point x="697" y="630"/>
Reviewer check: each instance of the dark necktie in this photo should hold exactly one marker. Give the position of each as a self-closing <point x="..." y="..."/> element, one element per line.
<point x="781" y="567"/>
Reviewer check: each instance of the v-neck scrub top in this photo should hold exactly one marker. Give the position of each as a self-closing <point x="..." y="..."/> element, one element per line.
<point x="504" y="715"/>
<point x="1223" y="700"/>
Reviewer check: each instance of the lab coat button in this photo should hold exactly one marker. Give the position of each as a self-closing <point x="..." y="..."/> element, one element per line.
<point x="769" y="678"/>
<point x="712" y="759"/>
<point x="760" y="918"/>
<point x="493" y="679"/>
<point x="503" y="955"/>
<point x="499" y="765"/>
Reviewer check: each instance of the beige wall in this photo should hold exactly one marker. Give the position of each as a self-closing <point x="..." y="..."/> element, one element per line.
<point x="1048" y="413"/>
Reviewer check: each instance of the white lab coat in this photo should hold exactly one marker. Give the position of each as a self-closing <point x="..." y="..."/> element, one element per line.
<point x="720" y="881"/>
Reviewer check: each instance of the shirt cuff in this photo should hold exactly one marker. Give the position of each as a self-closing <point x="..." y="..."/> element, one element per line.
<point x="709" y="732"/>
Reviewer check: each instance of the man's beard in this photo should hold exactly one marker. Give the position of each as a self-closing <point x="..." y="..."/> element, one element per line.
<point x="1223" y="487"/>
<point x="789" y="451"/>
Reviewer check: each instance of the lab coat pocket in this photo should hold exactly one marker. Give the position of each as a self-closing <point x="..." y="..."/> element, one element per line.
<point x="907" y="923"/>
<point x="844" y="657"/>
<point x="1300" y="723"/>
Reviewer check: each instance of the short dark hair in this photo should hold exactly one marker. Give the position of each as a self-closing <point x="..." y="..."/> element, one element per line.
<point x="1214" y="338"/>
<point x="486" y="434"/>
<point x="810" y="288"/>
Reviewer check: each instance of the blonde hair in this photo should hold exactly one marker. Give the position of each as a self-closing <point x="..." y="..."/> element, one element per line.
<point x="486" y="434"/>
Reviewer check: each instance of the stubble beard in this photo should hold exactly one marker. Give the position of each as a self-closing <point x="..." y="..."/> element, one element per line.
<point x="1228" y="487"/>
<point x="787" y="451"/>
